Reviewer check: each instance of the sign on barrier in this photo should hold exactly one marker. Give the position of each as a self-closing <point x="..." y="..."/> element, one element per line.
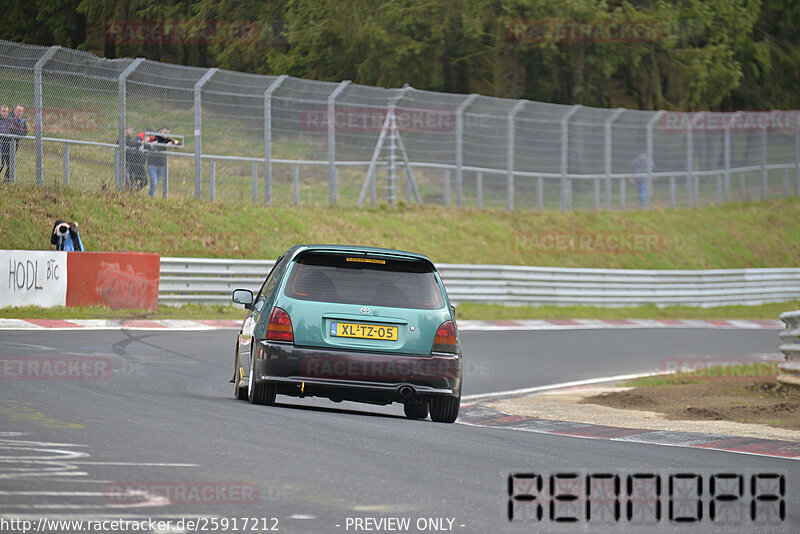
<point x="33" y="278"/>
<point x="113" y="279"/>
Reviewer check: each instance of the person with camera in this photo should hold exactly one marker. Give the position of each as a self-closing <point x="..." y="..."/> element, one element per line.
<point x="65" y="236"/>
<point x="5" y="141"/>
<point x="156" y="159"/>
<point x="134" y="160"/>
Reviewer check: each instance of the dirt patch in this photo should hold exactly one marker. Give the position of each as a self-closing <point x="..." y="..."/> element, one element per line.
<point x="754" y="401"/>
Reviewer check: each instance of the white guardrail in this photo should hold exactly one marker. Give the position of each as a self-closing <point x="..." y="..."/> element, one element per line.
<point x="211" y="281"/>
<point x="790" y="369"/>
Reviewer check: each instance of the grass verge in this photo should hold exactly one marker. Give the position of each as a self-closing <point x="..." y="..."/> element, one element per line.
<point x="742" y="393"/>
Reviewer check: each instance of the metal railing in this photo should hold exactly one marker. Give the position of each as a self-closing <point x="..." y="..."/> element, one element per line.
<point x="281" y="140"/>
<point x="211" y="281"/>
<point x="789" y="370"/>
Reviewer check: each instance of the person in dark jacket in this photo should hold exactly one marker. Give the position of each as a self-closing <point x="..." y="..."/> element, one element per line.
<point x="156" y="159"/>
<point x="65" y="236"/>
<point x="16" y="126"/>
<point x="134" y="160"/>
<point x="5" y="142"/>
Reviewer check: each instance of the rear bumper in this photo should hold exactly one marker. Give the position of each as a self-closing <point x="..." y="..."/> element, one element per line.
<point x="352" y="375"/>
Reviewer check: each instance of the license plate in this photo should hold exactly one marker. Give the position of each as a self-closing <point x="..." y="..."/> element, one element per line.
<point x="364" y="331"/>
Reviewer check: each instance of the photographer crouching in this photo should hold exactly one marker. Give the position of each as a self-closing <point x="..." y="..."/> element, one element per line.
<point x="65" y="236"/>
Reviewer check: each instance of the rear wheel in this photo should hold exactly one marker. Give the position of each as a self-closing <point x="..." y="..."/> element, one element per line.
<point x="445" y="409"/>
<point x="416" y="409"/>
<point x="263" y="393"/>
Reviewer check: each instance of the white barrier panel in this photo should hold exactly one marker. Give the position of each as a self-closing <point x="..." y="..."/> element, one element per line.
<point x="33" y="278"/>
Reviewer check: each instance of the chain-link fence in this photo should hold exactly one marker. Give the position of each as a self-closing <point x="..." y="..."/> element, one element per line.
<point x="283" y="141"/>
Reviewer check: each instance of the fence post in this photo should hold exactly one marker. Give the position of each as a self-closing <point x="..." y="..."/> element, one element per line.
<point x="764" y="165"/>
<point x="37" y="110"/>
<point x="212" y="180"/>
<point x="727" y="157"/>
<point x="447" y="187"/>
<point x="11" y="172"/>
<point x="510" y="154"/>
<point x="566" y="184"/>
<point x="672" y="192"/>
<point x="122" y="99"/>
<point x="462" y="107"/>
<point x="797" y="163"/>
<point x="65" y="155"/>
<point x="690" y="162"/>
<point x="198" y="132"/>
<point x="479" y="190"/>
<point x="650" y="163"/>
<point x="333" y="185"/>
<point x="268" y="136"/>
<point x="165" y="191"/>
<point x="540" y="193"/>
<point x="296" y="184"/>
<point x="254" y="181"/>
<point x="609" y="154"/>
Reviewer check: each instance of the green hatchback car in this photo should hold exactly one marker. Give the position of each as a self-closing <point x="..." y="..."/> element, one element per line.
<point x="351" y="323"/>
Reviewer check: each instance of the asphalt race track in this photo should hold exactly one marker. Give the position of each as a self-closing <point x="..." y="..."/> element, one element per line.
<point x="155" y="433"/>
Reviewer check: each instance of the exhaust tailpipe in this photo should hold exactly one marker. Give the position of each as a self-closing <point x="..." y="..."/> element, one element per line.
<point x="407" y="392"/>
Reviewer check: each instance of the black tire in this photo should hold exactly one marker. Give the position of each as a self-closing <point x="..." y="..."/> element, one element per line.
<point x="416" y="409"/>
<point x="239" y="392"/>
<point x="445" y="409"/>
<point x="259" y="393"/>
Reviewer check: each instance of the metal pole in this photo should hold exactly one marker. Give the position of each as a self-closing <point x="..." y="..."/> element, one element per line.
<point x="651" y="123"/>
<point x="166" y="179"/>
<point x="37" y="109"/>
<point x="296" y="184"/>
<point x="12" y="163"/>
<point x="268" y="137"/>
<point x="447" y="187"/>
<point x="198" y="132"/>
<point x="122" y="100"/>
<point x="479" y="190"/>
<point x="609" y="153"/>
<point x="566" y="184"/>
<point x="764" y="165"/>
<point x="460" y="145"/>
<point x="797" y="163"/>
<point x="510" y="154"/>
<point x="727" y="157"/>
<point x="212" y="180"/>
<point x="65" y="155"/>
<point x="254" y="181"/>
<point x="672" y="192"/>
<point x="540" y="193"/>
<point x="690" y="164"/>
<point x="333" y="186"/>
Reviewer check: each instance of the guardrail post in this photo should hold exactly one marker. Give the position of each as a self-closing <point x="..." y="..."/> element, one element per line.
<point x="566" y="182"/>
<point x="198" y="132"/>
<point x="609" y="153"/>
<point x="268" y="136"/>
<point x="212" y="180"/>
<point x="510" y="155"/>
<point x="65" y="157"/>
<point x="254" y="181"/>
<point x="462" y="107"/>
<point x="120" y="169"/>
<point x="650" y="163"/>
<point x="37" y="110"/>
<point x="333" y="185"/>
<point x="296" y="184"/>
<point x="763" y="165"/>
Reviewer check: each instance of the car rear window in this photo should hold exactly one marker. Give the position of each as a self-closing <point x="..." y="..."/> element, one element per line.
<point x="369" y="280"/>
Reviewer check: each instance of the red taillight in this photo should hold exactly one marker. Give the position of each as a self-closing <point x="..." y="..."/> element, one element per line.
<point x="280" y="326"/>
<point x="445" y="340"/>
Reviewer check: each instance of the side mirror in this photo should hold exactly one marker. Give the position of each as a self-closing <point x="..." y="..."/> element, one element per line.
<point x="453" y="311"/>
<point x="243" y="297"/>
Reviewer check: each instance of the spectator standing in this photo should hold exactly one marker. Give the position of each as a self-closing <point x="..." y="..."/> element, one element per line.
<point x="5" y="142"/>
<point x="65" y="236"/>
<point x="156" y="159"/>
<point x="134" y="160"/>
<point x="18" y="127"/>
